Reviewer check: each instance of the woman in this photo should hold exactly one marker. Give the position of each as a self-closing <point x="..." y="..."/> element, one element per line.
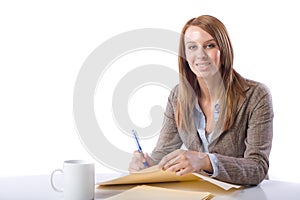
<point x="224" y="120"/>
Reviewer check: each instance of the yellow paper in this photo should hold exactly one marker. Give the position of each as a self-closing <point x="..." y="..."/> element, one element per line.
<point x="150" y="193"/>
<point x="156" y="175"/>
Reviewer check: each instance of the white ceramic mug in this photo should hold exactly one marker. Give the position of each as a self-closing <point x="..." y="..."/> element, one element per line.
<point x="78" y="180"/>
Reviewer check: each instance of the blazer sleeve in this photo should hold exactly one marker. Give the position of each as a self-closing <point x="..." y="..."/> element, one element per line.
<point x="252" y="166"/>
<point x="169" y="139"/>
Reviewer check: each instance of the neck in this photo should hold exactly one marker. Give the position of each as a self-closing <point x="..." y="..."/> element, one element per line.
<point x="210" y="89"/>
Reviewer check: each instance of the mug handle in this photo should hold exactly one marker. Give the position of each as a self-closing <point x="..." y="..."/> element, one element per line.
<point x="52" y="182"/>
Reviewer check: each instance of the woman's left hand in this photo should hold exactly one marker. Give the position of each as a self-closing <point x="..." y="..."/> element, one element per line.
<point x="183" y="162"/>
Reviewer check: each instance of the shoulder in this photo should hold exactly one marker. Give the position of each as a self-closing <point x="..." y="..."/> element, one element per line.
<point x="174" y="93"/>
<point x="257" y="89"/>
<point x="172" y="99"/>
<point x="258" y="95"/>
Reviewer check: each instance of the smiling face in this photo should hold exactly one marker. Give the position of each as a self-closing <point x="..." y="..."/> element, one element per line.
<point x="202" y="52"/>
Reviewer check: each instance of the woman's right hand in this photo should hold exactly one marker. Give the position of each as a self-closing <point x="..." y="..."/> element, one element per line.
<point x="137" y="162"/>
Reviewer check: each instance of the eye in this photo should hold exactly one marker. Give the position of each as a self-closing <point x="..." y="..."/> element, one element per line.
<point x="210" y="46"/>
<point x="192" y="47"/>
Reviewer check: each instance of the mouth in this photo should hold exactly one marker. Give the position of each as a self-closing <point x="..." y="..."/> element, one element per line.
<point x="203" y="65"/>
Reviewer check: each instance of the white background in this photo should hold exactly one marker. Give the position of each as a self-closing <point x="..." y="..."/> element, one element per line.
<point x="43" y="45"/>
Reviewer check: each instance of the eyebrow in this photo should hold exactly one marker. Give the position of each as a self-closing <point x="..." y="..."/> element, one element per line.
<point x="203" y="43"/>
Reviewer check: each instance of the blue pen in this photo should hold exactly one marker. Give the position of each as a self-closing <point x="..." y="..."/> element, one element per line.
<point x="139" y="147"/>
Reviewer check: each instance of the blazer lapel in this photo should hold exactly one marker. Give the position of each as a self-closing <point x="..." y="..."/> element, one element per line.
<point x="219" y="131"/>
<point x="191" y="140"/>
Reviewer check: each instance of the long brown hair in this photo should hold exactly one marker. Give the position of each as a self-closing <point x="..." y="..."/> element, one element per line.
<point x="189" y="87"/>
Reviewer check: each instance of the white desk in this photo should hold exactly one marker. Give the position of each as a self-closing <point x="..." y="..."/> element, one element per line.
<point x="39" y="188"/>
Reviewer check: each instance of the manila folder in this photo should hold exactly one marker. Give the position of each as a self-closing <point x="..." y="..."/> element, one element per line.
<point x="156" y="175"/>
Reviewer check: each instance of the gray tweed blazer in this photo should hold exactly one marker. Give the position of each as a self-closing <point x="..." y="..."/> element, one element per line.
<point x="243" y="151"/>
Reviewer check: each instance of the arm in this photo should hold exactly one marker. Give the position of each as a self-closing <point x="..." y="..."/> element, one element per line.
<point x="169" y="139"/>
<point x="252" y="167"/>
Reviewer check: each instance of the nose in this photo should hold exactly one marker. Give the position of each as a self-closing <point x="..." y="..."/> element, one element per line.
<point x="201" y="54"/>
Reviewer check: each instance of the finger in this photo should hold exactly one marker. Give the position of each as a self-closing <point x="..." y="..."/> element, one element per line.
<point x="168" y="158"/>
<point x="149" y="160"/>
<point x="172" y="162"/>
<point x="133" y="169"/>
<point x="139" y="156"/>
<point x="138" y="166"/>
<point x="135" y="166"/>
<point x="184" y="171"/>
<point x="178" y="166"/>
<point x="176" y="157"/>
<point x="136" y="163"/>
